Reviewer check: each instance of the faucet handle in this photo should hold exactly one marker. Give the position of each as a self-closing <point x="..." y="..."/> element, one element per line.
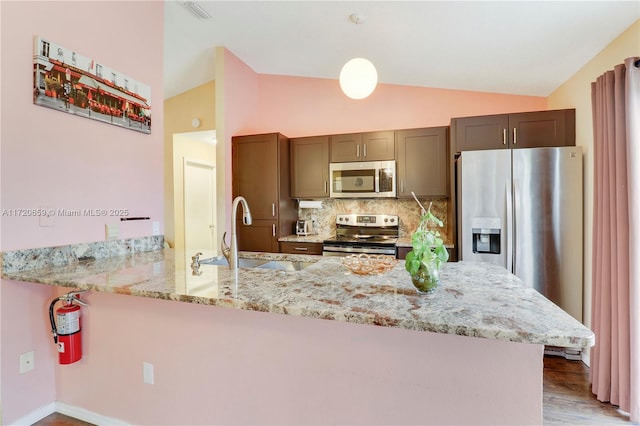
<point x="225" y="248"/>
<point x="195" y="261"/>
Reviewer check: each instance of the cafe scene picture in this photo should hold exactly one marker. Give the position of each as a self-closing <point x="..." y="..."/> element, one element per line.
<point x="74" y="84"/>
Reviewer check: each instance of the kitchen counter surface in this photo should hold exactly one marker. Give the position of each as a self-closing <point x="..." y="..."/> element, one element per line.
<point x="474" y="299"/>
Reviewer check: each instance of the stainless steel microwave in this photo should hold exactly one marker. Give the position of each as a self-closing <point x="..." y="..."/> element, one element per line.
<point x="367" y="179"/>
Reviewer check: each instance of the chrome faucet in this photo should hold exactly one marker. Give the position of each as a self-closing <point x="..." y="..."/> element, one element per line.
<point x="231" y="253"/>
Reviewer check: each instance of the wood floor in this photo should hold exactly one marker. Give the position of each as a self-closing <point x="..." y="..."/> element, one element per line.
<point x="567" y="399"/>
<point x="57" y="419"/>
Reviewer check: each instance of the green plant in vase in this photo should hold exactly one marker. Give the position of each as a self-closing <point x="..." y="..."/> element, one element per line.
<point x="428" y="253"/>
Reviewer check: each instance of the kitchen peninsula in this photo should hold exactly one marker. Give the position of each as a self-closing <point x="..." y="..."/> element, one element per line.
<point x="468" y="353"/>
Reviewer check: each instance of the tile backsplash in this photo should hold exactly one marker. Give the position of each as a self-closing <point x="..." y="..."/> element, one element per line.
<point x="407" y="210"/>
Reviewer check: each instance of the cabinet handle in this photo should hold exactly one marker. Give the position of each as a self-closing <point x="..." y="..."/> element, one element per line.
<point x="515" y="136"/>
<point x="301" y="248"/>
<point x="273" y="229"/>
<point x="325" y="186"/>
<point x="365" y="150"/>
<point x="401" y="185"/>
<point x="358" y="151"/>
<point x="273" y="209"/>
<point x="504" y="136"/>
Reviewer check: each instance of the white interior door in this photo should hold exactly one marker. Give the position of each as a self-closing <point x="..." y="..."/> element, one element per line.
<point x="200" y="207"/>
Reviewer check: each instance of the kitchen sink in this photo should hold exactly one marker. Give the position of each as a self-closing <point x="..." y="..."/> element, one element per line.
<point x="242" y="263"/>
<point x="285" y="265"/>
<point x="278" y="265"/>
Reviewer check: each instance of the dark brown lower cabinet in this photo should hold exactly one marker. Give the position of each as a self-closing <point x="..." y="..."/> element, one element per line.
<point x="259" y="236"/>
<point x="300" y="248"/>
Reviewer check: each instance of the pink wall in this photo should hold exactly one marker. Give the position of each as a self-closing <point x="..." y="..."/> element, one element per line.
<point x="298" y="106"/>
<point x="238" y="85"/>
<point x="53" y="158"/>
<point x="57" y="159"/>
<point x="224" y="366"/>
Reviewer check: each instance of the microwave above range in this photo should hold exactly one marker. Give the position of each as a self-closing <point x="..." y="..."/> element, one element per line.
<point x="367" y="179"/>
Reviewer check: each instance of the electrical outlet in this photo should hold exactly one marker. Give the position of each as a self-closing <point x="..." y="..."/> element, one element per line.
<point x="147" y="373"/>
<point x="46" y="218"/>
<point x="111" y="231"/>
<point x="156" y="227"/>
<point x="26" y="362"/>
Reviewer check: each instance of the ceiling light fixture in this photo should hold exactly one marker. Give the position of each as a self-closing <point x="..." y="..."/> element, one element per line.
<point x="358" y="77"/>
<point x="195" y="8"/>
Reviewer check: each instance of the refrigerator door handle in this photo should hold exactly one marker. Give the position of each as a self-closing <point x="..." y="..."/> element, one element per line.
<point x="510" y="227"/>
<point x="514" y="230"/>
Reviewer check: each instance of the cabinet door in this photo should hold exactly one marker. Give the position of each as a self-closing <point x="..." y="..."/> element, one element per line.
<point x="346" y="148"/>
<point x="378" y="146"/>
<point x="300" y="248"/>
<point x="310" y="167"/>
<point x="401" y="252"/>
<point x="259" y="236"/>
<point x="422" y="162"/>
<point x="477" y="133"/>
<point x="542" y="129"/>
<point x="254" y="170"/>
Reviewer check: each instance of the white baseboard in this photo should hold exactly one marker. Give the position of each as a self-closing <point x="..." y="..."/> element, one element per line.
<point x="35" y="415"/>
<point x="68" y="410"/>
<point x="88" y="416"/>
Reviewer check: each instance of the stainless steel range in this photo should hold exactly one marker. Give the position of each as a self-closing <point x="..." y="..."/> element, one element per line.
<point x="363" y="233"/>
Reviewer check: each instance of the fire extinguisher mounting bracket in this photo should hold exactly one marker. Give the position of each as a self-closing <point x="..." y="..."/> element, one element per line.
<point x="73" y="297"/>
<point x="66" y="330"/>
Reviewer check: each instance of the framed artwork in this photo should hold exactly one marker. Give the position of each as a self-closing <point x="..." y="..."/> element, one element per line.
<point x="74" y="84"/>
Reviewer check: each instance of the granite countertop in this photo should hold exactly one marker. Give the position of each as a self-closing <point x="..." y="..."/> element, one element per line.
<point x="474" y="299"/>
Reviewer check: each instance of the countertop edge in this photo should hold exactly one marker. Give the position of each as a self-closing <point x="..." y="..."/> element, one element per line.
<point x="581" y="340"/>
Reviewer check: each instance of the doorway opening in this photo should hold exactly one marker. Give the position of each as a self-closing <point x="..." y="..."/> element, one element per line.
<point x="194" y="186"/>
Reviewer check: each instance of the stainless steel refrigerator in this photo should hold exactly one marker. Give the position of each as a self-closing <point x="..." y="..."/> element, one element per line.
<point x="522" y="208"/>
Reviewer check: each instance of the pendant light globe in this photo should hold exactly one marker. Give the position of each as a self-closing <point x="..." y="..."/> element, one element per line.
<point x="358" y="78"/>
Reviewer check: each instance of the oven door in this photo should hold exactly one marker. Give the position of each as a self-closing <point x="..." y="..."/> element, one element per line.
<point x="334" y="248"/>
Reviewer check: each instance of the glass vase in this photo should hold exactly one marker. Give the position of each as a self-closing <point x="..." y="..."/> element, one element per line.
<point x="426" y="279"/>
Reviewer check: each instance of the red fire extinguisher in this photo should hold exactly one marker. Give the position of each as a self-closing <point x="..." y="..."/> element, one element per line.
<point x="67" y="334"/>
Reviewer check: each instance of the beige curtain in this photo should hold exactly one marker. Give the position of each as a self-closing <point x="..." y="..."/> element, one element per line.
<point x="615" y="359"/>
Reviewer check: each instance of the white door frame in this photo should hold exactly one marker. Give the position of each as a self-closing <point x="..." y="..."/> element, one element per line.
<point x="192" y="162"/>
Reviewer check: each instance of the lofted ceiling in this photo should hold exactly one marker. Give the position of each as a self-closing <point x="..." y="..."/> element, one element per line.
<point x="514" y="47"/>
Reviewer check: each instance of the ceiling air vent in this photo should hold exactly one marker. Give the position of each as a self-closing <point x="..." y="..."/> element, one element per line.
<point x="197" y="10"/>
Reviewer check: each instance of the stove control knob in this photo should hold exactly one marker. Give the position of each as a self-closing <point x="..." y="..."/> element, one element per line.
<point x="393" y="219"/>
<point x="346" y="219"/>
<point x="386" y="219"/>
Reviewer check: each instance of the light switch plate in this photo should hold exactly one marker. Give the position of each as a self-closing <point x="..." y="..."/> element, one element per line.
<point x="26" y="362"/>
<point x="147" y="373"/>
<point x="45" y="219"/>
<point x="111" y="231"/>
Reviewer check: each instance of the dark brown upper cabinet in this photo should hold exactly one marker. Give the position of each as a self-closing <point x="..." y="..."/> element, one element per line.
<point x="370" y="146"/>
<point x="260" y="173"/>
<point x="519" y="130"/>
<point x="422" y="162"/>
<point x="310" y="167"/>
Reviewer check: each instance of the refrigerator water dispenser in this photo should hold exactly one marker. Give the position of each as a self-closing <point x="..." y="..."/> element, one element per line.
<point x="486" y="234"/>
